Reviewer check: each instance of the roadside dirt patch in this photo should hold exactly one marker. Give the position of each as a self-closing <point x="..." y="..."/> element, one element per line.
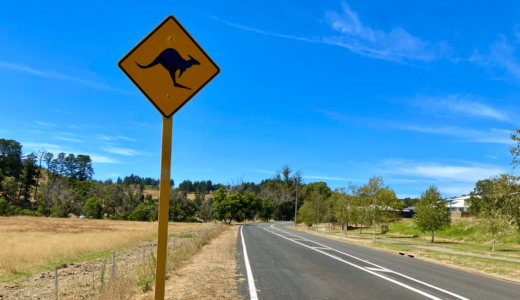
<point x="209" y="275"/>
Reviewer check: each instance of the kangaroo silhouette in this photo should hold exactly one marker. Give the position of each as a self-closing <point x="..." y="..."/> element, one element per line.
<point x="172" y="61"/>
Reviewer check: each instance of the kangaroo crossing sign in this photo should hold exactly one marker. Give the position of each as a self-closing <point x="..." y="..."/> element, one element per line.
<point x="169" y="67"/>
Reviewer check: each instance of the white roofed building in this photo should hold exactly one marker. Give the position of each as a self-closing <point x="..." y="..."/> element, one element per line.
<point x="458" y="204"/>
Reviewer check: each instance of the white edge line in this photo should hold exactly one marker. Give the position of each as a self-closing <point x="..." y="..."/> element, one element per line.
<point x="368" y="271"/>
<point x="402" y="275"/>
<point x="250" y="280"/>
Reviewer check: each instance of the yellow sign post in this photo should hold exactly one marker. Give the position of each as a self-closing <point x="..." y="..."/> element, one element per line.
<point x="169" y="67"/>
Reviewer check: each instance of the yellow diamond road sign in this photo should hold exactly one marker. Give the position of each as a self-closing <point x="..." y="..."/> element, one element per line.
<point x="169" y="67"/>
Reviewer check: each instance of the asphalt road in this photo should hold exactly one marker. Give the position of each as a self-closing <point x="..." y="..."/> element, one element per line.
<point x="289" y="264"/>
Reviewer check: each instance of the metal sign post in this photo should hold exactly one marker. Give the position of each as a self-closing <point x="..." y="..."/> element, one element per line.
<point x="164" y="207"/>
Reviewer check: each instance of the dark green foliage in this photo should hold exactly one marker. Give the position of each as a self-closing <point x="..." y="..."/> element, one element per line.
<point x="240" y="206"/>
<point x="266" y="210"/>
<point x="5" y="207"/>
<point x="191" y="187"/>
<point x="93" y="209"/>
<point x="191" y="220"/>
<point x="430" y="213"/>
<point x="143" y="212"/>
<point x="71" y="166"/>
<point x="134" y="179"/>
<point x="26" y="212"/>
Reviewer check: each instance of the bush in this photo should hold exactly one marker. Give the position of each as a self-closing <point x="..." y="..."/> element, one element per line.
<point x="191" y="220"/>
<point x="114" y="217"/>
<point x="26" y="212"/>
<point x="93" y="209"/>
<point x="5" y="207"/>
<point x="141" y="213"/>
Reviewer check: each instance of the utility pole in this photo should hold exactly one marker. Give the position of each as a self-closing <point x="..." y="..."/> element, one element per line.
<point x="296" y="204"/>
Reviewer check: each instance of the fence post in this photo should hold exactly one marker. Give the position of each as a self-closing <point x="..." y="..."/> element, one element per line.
<point x="55" y="282"/>
<point x="173" y="242"/>
<point x="114" y="265"/>
<point x="143" y="256"/>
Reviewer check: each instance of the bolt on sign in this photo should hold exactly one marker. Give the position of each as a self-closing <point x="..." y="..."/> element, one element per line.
<point x="169" y="67"/>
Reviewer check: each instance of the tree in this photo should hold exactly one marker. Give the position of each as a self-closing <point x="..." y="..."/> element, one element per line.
<point x="93" y="209"/>
<point x="83" y="166"/>
<point x="58" y="196"/>
<point x="492" y="221"/>
<point x="501" y="194"/>
<point x="306" y="215"/>
<point x="372" y="205"/>
<point x="388" y="205"/>
<point x="345" y="209"/>
<point x="515" y="151"/>
<point x="11" y="164"/>
<point x="5" y="207"/>
<point x="59" y="164"/>
<point x="70" y="166"/>
<point x="10" y="186"/>
<point x="266" y="210"/>
<point x="430" y="213"/>
<point x="28" y="178"/>
<point x="315" y="207"/>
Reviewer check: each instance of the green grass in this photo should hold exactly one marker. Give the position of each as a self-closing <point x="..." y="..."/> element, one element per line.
<point x="463" y="235"/>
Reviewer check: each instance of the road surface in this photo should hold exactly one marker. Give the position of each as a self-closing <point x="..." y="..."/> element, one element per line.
<point x="280" y="263"/>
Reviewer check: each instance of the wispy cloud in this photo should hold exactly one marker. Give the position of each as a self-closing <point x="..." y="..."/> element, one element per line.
<point x="74" y="127"/>
<point x="73" y="79"/>
<point x="501" y="55"/>
<point x="38" y="146"/>
<point x="126" y="138"/>
<point x="122" y="151"/>
<point x="498" y="136"/>
<point x="491" y="156"/>
<point x="45" y="124"/>
<point x="114" y="174"/>
<point x="259" y="171"/>
<point x="468" y="172"/>
<point x="461" y="105"/>
<point x="114" y="138"/>
<point x="396" y="45"/>
<point x="103" y="159"/>
<point x="55" y="149"/>
<point x="68" y="139"/>
<point x="327" y="178"/>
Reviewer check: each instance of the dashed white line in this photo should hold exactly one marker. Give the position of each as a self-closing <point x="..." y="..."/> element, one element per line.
<point x="380" y="269"/>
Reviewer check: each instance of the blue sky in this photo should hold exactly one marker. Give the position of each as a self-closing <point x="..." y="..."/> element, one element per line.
<point x="420" y="93"/>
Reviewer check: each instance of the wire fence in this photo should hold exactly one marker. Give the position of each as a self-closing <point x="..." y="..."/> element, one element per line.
<point x="89" y="279"/>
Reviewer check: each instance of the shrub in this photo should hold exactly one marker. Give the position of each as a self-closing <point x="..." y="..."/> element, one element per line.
<point x="93" y="209"/>
<point x="191" y="220"/>
<point x="5" y="207"/>
<point x="141" y="213"/>
<point x="26" y="212"/>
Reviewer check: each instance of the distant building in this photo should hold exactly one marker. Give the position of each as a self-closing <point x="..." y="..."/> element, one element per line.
<point x="458" y="204"/>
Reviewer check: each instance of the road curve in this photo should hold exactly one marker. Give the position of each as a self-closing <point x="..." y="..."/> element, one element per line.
<point x="289" y="264"/>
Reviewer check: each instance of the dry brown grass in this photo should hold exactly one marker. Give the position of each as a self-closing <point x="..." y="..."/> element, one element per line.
<point x="205" y="271"/>
<point x="29" y="242"/>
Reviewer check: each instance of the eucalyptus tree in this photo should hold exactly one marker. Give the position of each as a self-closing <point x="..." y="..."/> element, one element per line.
<point x="345" y="208"/>
<point x="387" y="204"/>
<point x="316" y="206"/>
<point x="430" y="212"/>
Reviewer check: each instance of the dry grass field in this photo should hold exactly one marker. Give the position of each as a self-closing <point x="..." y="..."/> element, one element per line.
<point x="29" y="242"/>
